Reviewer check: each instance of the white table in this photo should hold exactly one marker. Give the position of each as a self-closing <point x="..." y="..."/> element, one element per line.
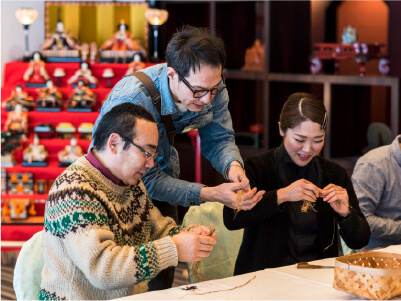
<point x="284" y="283"/>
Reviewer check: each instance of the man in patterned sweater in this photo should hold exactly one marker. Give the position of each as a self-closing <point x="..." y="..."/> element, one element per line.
<point x="103" y="237"/>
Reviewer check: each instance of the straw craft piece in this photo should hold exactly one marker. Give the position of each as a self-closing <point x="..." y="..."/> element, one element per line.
<point x="307" y="205"/>
<point x="195" y="271"/>
<point x="370" y="274"/>
<point x="218" y="291"/>
<point x="239" y="199"/>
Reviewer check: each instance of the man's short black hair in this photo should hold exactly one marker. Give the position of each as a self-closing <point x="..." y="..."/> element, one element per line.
<point x="192" y="46"/>
<point x="121" y="120"/>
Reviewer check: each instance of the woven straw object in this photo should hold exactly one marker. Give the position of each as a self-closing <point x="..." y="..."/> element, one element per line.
<point x="369" y="274"/>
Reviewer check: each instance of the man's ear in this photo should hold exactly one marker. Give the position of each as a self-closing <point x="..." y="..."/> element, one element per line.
<point x="114" y="142"/>
<point x="171" y="73"/>
<point x="280" y="130"/>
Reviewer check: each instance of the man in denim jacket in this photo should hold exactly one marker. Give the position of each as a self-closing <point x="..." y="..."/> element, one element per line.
<point x="193" y="92"/>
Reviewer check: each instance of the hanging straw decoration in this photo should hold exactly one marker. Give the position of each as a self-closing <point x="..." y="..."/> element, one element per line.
<point x="195" y="271"/>
<point x="239" y="199"/>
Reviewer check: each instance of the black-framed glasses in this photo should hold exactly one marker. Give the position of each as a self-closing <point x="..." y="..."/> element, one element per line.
<point x="147" y="154"/>
<point x="202" y="92"/>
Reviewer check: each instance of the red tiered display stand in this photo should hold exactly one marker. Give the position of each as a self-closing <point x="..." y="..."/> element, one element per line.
<point x="22" y="230"/>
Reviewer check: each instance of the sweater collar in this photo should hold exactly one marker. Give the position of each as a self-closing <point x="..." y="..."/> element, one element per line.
<point x="96" y="164"/>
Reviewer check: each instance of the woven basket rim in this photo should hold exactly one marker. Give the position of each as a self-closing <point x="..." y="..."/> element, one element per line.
<point x="369" y="254"/>
<point x="341" y="263"/>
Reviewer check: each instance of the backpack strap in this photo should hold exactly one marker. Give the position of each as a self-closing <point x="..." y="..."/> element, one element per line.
<point x="156" y="97"/>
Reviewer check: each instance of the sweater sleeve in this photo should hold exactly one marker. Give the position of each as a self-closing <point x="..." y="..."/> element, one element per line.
<point x="162" y="225"/>
<point x="81" y="226"/>
<point x="109" y="266"/>
<point x="257" y="171"/>
<point x="354" y="229"/>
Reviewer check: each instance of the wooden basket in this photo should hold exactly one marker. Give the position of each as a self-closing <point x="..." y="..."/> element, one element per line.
<point x="369" y="274"/>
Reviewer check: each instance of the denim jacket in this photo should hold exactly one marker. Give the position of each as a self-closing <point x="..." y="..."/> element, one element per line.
<point x="213" y="123"/>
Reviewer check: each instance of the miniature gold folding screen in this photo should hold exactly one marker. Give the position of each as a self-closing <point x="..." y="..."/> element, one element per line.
<point x="97" y="21"/>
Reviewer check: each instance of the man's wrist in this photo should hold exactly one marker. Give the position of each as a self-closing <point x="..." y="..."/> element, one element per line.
<point x="235" y="163"/>
<point x="207" y="194"/>
<point x="232" y="163"/>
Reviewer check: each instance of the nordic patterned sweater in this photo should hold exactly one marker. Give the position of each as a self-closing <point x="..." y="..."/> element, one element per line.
<point x="102" y="240"/>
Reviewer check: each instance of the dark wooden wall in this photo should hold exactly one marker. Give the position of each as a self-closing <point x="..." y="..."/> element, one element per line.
<point x="239" y="23"/>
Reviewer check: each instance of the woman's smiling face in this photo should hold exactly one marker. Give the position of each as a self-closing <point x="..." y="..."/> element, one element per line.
<point x="303" y="142"/>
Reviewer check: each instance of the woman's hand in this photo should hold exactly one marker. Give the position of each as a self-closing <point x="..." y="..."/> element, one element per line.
<point x="298" y="191"/>
<point x="337" y="197"/>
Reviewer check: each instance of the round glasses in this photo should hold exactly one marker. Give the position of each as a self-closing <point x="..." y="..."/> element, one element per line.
<point x="202" y="92"/>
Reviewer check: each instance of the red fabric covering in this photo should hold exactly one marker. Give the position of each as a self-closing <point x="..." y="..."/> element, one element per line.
<point x="101" y="93"/>
<point x="34" y="118"/>
<point x="52" y="171"/>
<point x="18" y="233"/>
<point x="14" y="71"/>
<point x="19" y="230"/>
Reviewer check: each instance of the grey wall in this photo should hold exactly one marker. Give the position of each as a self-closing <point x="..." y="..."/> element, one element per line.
<point x="12" y="35"/>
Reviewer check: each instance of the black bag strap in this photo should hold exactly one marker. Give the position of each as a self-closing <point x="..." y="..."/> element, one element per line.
<point x="156" y="97"/>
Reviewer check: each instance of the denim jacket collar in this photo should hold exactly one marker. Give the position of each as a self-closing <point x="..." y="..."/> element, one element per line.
<point x="168" y="105"/>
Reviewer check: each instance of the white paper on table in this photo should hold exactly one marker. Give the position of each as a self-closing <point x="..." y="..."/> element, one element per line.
<point x="391" y="249"/>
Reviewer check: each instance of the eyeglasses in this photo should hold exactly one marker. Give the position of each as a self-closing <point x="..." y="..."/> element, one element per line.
<point x="147" y="154"/>
<point x="203" y="92"/>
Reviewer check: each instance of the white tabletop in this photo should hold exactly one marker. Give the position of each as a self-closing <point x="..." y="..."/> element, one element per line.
<point x="284" y="283"/>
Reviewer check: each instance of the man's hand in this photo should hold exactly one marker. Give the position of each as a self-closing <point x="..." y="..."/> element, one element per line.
<point x="193" y="247"/>
<point x="237" y="175"/>
<point x="227" y="193"/>
<point x="200" y="230"/>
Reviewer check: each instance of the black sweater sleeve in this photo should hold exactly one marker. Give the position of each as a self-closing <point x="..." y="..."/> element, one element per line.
<point x="354" y="229"/>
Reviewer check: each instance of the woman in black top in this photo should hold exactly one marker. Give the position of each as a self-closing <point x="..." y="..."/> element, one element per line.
<point x="308" y="202"/>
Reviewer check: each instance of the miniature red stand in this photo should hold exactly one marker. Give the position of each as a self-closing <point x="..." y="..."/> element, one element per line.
<point x="361" y="52"/>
